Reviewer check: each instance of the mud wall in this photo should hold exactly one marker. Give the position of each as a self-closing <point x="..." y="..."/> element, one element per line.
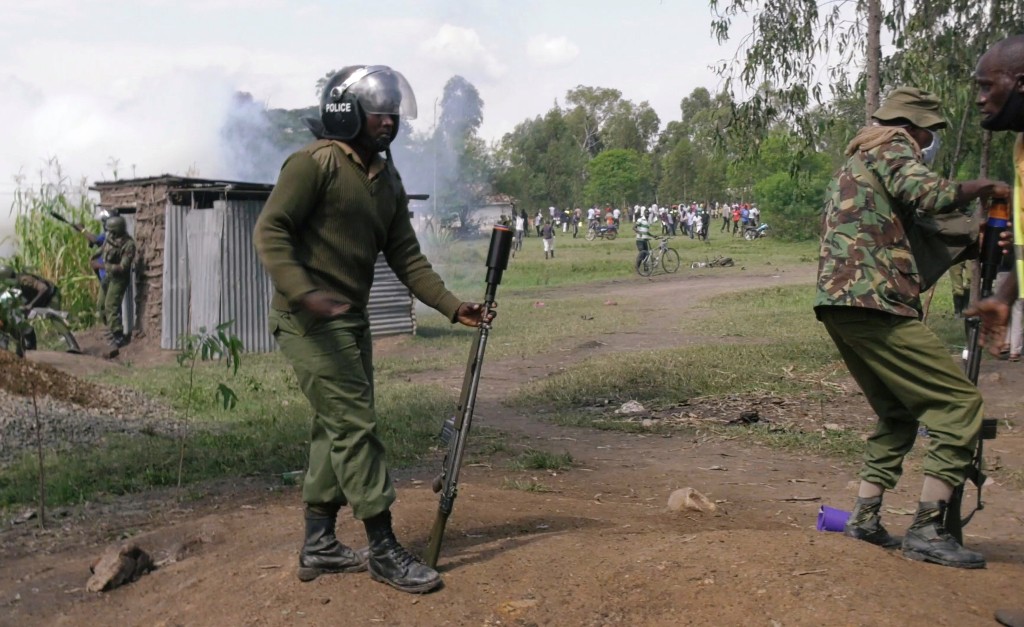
<point x="148" y="203"/>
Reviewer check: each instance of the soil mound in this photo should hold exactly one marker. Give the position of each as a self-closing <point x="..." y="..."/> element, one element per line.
<point x="25" y="378"/>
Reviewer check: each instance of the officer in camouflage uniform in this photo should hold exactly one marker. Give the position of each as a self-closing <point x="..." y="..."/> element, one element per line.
<point x="338" y="204"/>
<point x="118" y="254"/>
<point x="868" y="297"/>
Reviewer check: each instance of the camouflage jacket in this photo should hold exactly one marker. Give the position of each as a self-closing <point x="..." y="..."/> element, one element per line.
<point x="865" y="259"/>
<point x="118" y="253"/>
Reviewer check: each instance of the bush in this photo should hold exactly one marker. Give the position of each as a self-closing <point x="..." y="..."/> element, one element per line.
<point x="52" y="249"/>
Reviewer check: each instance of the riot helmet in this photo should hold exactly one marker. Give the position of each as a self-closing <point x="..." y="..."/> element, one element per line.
<point x="358" y="90"/>
<point x="104" y="214"/>
<point x="116" y="225"/>
<point x="6" y="273"/>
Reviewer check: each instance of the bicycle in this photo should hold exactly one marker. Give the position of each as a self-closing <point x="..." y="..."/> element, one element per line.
<point x="717" y="262"/>
<point x="662" y="256"/>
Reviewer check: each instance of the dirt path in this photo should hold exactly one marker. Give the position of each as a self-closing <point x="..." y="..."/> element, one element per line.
<point x="600" y="548"/>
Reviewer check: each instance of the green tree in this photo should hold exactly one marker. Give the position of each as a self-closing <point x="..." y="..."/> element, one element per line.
<point x="541" y="163"/>
<point x="463" y="165"/>
<point x="617" y="177"/>
<point x="790" y="186"/>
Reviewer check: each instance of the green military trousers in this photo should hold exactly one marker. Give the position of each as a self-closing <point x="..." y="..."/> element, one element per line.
<point x="908" y="378"/>
<point x="333" y="361"/>
<point x="112" y="295"/>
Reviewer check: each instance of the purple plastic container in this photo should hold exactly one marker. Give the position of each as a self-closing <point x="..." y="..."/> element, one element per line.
<point x="831" y="519"/>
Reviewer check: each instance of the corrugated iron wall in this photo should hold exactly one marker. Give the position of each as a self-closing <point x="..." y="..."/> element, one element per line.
<point x="174" y="308"/>
<point x="391" y="305"/>
<point x="212" y="275"/>
<point x="247" y="289"/>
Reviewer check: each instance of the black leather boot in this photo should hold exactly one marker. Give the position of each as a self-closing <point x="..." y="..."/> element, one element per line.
<point x="927" y="540"/>
<point x="390" y="563"/>
<point x="322" y="553"/>
<point x="865" y="524"/>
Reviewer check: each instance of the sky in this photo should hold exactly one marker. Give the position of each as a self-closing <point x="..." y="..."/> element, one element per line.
<point x="143" y="87"/>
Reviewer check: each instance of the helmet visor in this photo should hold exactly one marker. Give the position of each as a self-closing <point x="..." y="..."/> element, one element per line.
<point x="386" y="92"/>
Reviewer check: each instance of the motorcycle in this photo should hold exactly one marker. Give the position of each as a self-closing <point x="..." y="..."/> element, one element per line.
<point x="603" y="231"/>
<point x="752" y="233"/>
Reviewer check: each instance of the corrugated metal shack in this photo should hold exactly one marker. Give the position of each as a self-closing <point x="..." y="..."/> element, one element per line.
<point x="197" y="266"/>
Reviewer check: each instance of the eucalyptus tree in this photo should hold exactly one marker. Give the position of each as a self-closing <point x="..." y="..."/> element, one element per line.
<point x="788" y="43"/>
<point x="541" y="163"/>
<point x="618" y="177"/>
<point x="693" y="152"/>
<point x="462" y="178"/>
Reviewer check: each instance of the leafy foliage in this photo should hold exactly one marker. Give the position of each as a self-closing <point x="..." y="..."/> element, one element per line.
<point x="617" y="176"/>
<point x="207" y="346"/>
<point x="53" y="249"/>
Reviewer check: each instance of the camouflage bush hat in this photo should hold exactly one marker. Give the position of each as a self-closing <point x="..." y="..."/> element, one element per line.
<point x="920" y="107"/>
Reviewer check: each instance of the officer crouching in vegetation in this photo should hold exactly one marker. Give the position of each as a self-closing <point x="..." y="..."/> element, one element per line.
<point x="868" y="297"/>
<point x="40" y="297"/>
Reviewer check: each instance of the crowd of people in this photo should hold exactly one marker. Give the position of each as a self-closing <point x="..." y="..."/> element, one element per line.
<point x="693" y="220"/>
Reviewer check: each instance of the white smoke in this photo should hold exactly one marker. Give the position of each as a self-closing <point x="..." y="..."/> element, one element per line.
<point x="174" y="123"/>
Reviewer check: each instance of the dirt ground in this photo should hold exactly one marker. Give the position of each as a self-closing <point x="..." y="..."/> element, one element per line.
<point x="601" y="548"/>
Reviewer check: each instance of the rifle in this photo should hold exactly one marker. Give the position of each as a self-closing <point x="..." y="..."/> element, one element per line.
<point x="456" y="429"/>
<point x="60" y="218"/>
<point x="998" y="218"/>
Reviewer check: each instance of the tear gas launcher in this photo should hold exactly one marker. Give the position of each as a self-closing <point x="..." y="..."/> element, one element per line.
<point x="991" y="254"/>
<point x="456" y="429"/>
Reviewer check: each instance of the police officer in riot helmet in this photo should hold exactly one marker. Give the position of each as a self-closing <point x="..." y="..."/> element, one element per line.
<point x="362" y="106"/>
<point x="337" y="204"/>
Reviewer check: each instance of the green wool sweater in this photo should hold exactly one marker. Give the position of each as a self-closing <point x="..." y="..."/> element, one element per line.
<point x="325" y="223"/>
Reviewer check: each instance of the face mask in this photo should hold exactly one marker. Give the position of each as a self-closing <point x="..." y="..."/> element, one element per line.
<point x="928" y="154"/>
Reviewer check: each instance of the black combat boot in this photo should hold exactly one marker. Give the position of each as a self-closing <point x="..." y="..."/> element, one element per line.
<point x="958" y="305"/>
<point x="866" y="524"/>
<point x="321" y="552"/>
<point x="927" y="540"/>
<point x="390" y="563"/>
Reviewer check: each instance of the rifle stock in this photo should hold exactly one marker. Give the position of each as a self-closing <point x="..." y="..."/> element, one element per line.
<point x="995" y="224"/>
<point x="455" y="430"/>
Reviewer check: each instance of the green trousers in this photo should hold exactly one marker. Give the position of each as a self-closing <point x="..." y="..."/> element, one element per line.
<point x="112" y="294"/>
<point x="909" y="378"/>
<point x="333" y="361"/>
<point x="960" y="279"/>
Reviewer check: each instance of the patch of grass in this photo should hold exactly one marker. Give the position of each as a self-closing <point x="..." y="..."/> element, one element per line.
<point x="842" y="444"/>
<point x="266" y="434"/>
<point x="1015" y="478"/>
<point x="671" y="375"/>
<point x="533" y="459"/>
<point x="486" y="443"/>
<point x="606" y="421"/>
<point x="525" y="485"/>
<point x="578" y="262"/>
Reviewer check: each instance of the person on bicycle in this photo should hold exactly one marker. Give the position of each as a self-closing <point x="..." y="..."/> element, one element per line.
<point x="643" y="239"/>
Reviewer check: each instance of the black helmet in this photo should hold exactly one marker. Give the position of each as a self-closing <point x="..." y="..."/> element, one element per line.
<point x="116" y="225"/>
<point x="356" y="90"/>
